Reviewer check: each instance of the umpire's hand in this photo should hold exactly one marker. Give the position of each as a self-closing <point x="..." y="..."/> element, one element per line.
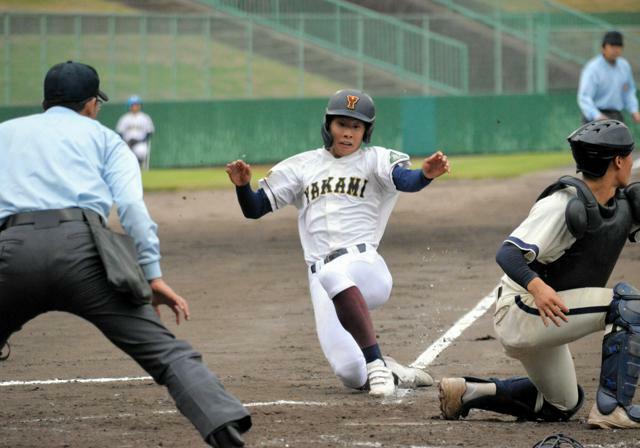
<point x="164" y="295"/>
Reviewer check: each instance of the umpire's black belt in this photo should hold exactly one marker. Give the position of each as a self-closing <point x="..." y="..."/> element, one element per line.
<point x="362" y="247"/>
<point x="44" y="219"/>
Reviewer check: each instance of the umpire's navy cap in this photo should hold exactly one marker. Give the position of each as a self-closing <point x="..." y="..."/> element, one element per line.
<point x="612" y="38"/>
<point x="70" y="82"/>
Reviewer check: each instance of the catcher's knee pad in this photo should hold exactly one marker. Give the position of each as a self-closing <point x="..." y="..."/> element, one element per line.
<point x="519" y="397"/>
<point x="621" y="353"/>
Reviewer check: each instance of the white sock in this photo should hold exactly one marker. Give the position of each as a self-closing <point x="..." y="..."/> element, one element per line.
<point x="477" y="390"/>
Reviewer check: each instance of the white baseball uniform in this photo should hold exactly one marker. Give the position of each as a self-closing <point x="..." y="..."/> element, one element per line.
<point x="544" y="351"/>
<point x="343" y="203"/>
<point x="136" y="127"/>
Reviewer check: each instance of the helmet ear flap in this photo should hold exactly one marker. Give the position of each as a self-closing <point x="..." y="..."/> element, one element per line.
<point x="367" y="133"/>
<point x="326" y="135"/>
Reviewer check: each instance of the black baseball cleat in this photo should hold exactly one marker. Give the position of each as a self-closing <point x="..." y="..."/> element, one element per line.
<point x="228" y="436"/>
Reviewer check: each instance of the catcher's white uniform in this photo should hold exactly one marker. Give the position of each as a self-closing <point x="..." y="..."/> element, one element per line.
<point x="544" y="351"/>
<point x="343" y="205"/>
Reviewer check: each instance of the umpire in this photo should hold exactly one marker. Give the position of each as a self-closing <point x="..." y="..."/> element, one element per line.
<point x="60" y="173"/>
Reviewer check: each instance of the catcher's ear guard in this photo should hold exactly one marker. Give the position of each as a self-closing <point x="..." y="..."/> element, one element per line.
<point x="558" y="441"/>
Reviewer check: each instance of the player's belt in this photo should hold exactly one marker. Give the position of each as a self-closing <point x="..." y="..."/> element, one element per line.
<point x="44" y="218"/>
<point x="362" y="247"/>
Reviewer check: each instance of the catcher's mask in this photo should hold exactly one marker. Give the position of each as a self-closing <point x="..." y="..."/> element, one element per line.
<point x="558" y="441"/>
<point x="595" y="144"/>
<point x="350" y="103"/>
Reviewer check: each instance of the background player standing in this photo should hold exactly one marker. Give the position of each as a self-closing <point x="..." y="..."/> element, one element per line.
<point x="136" y="128"/>
<point x="556" y="264"/>
<point x="344" y="194"/>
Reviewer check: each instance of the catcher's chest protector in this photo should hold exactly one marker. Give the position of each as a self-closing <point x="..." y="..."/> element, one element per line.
<point x="600" y="232"/>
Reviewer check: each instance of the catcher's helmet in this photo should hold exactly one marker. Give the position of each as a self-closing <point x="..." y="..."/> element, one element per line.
<point x="349" y="103"/>
<point x="595" y="144"/>
<point x="558" y="441"/>
<point x="133" y="99"/>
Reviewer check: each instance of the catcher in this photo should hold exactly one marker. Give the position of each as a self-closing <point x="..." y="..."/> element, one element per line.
<point x="556" y="264"/>
<point x="344" y="194"/>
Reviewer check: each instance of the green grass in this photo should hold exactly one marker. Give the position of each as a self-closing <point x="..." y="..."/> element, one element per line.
<point x="463" y="167"/>
<point x="505" y="165"/>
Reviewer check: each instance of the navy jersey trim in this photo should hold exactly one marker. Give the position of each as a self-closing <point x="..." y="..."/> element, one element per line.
<point x="272" y="193"/>
<point x="522" y="245"/>
<point x="572" y="312"/>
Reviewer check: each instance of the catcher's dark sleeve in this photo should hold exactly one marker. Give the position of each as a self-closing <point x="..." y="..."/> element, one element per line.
<point x="409" y="180"/>
<point x="253" y="204"/>
<point x="512" y="261"/>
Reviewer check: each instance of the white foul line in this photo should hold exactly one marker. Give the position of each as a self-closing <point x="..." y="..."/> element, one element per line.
<point x="454" y="332"/>
<point x="422" y="361"/>
<point x="74" y="380"/>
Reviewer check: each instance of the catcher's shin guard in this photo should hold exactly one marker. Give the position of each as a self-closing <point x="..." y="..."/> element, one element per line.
<point x="621" y="353"/>
<point x="518" y="396"/>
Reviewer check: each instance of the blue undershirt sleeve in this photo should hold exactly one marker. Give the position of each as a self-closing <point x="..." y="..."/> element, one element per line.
<point x="253" y="204"/>
<point x="512" y="261"/>
<point x="409" y="180"/>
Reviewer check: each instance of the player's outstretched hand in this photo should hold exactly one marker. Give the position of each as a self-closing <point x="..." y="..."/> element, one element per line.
<point x="549" y="304"/>
<point x="164" y="295"/>
<point x="436" y="165"/>
<point x="239" y="172"/>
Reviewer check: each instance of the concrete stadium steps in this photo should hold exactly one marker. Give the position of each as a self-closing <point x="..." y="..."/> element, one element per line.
<point x="480" y="40"/>
<point x="285" y="49"/>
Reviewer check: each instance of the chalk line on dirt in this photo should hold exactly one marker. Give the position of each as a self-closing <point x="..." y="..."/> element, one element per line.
<point x="454" y="332"/>
<point x="422" y="361"/>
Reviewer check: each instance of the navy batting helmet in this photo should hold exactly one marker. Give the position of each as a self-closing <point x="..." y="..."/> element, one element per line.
<point x="349" y="103"/>
<point x="595" y="144"/>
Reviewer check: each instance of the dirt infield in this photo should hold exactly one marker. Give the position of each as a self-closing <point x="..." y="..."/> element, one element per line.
<point x="253" y="322"/>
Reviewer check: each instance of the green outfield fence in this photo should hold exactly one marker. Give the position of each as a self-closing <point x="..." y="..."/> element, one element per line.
<point x="207" y="133"/>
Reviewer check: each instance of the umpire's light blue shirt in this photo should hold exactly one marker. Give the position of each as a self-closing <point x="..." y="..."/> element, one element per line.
<point x="606" y="86"/>
<point x="61" y="159"/>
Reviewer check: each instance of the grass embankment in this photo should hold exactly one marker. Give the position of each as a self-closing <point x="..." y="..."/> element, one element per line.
<point x="463" y="167"/>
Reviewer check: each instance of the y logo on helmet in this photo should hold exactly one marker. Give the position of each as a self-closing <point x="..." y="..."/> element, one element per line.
<point x="352" y="100"/>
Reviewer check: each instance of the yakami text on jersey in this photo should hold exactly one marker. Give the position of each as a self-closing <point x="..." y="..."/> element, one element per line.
<point x="336" y="186"/>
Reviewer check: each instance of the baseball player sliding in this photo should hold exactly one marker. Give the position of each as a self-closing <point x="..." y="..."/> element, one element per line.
<point x="344" y="194"/>
<point x="556" y="264"/>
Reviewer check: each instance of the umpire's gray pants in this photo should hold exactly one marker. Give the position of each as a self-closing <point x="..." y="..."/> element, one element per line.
<point x="58" y="269"/>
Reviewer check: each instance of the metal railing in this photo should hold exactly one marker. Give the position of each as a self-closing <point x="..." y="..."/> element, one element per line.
<point x="170" y="57"/>
<point x="409" y="52"/>
<point x="554" y="29"/>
